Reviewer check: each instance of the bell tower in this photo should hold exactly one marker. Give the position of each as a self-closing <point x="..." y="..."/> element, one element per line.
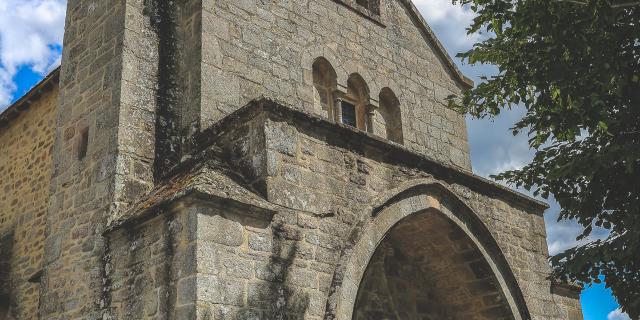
<point x="128" y="69"/>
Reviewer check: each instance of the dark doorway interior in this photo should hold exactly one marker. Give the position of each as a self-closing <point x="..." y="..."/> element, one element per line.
<point x="428" y="268"/>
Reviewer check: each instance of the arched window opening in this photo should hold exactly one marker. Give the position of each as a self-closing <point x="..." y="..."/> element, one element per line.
<point x="391" y="117"/>
<point x="354" y="105"/>
<point x="372" y="5"/>
<point x="325" y="84"/>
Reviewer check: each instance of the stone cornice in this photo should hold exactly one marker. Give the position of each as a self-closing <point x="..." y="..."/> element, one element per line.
<point x="366" y="144"/>
<point x="566" y="289"/>
<point x="424" y="26"/>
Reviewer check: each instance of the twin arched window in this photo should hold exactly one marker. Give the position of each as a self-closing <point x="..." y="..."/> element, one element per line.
<point x="354" y="107"/>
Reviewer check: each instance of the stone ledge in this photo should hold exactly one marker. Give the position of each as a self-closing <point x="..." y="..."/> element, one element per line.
<point x="199" y="181"/>
<point x="363" y="142"/>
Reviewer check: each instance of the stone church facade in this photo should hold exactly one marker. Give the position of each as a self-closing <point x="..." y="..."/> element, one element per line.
<point x="258" y="159"/>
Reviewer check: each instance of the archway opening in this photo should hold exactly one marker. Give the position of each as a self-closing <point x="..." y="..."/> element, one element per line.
<point x="391" y="115"/>
<point x="354" y="105"/>
<point x="426" y="267"/>
<point x="325" y="85"/>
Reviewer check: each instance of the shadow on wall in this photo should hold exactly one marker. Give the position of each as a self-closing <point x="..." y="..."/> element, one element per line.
<point x="277" y="298"/>
<point x="6" y="252"/>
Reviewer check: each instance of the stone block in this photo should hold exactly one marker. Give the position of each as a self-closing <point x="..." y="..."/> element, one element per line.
<point x="260" y="242"/>
<point x="186" y="290"/>
<point x="208" y="258"/>
<point x="237" y="267"/>
<point x="282" y="138"/>
<point x="220" y="230"/>
<point x="218" y="290"/>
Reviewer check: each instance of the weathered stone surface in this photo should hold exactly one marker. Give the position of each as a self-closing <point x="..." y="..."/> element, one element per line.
<point x="214" y="289"/>
<point x="164" y="195"/>
<point x="260" y="242"/>
<point x="26" y="165"/>
<point x="220" y="230"/>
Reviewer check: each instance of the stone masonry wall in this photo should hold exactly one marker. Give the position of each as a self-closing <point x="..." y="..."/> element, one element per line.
<point x="104" y="146"/>
<point x="253" y="267"/>
<point x="326" y="180"/>
<point x="84" y="157"/>
<point x="25" y="170"/>
<point x="254" y="48"/>
<point x="569" y="302"/>
<point x="151" y="268"/>
<point x="323" y="178"/>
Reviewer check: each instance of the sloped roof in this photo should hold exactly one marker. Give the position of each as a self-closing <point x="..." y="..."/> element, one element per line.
<point x="424" y="26"/>
<point x="22" y="104"/>
<point x="207" y="177"/>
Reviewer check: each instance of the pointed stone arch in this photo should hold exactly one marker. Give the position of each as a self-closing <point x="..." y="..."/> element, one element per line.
<point x="424" y="200"/>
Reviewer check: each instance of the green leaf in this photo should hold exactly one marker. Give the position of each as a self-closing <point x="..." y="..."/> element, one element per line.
<point x="574" y="67"/>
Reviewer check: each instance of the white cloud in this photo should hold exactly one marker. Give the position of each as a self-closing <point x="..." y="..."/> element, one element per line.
<point x="493" y="148"/>
<point x="30" y="36"/>
<point x="449" y="22"/>
<point x="562" y="235"/>
<point x="617" y="315"/>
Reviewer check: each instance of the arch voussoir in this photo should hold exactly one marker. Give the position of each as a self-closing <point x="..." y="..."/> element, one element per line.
<point x="424" y="196"/>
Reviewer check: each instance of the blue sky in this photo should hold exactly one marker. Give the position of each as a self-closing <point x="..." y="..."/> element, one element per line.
<point x="31" y="42"/>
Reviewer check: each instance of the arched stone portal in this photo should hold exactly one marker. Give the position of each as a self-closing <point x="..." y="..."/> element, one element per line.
<point x="428" y="268"/>
<point x="424" y="254"/>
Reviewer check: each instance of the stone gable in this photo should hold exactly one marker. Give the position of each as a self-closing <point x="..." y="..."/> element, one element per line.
<point x="254" y="48"/>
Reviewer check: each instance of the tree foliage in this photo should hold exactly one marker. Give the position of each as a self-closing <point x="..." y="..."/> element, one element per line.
<point x="575" y="67"/>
